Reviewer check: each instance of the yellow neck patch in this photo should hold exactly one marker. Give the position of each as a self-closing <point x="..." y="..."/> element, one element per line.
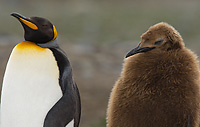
<point x="27" y="46"/>
<point x="29" y="24"/>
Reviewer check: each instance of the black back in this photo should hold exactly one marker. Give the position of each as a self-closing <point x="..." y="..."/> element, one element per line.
<point x="69" y="106"/>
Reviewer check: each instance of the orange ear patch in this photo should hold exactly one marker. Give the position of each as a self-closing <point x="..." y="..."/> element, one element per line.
<point x="55" y="33"/>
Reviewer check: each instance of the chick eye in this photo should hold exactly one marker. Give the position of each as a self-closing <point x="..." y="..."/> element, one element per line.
<point x="159" y="42"/>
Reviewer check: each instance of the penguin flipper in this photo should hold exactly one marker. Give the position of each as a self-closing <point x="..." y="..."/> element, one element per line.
<point x="61" y="113"/>
<point x="78" y="107"/>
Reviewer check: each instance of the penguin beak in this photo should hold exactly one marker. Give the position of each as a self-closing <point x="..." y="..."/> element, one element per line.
<point x="25" y="21"/>
<point x="138" y="49"/>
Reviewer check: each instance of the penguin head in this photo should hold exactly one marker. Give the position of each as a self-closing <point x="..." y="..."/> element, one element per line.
<point x="38" y="30"/>
<point x="161" y="36"/>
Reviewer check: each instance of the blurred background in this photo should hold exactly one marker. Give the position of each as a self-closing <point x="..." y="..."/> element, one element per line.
<point x="96" y="35"/>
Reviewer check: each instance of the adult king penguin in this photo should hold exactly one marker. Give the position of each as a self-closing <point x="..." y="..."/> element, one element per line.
<point x="159" y="84"/>
<point x="38" y="87"/>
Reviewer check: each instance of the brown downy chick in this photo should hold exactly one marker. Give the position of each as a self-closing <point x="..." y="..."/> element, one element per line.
<point x="159" y="84"/>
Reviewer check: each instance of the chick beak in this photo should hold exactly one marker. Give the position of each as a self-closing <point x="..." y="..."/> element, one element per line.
<point x="26" y="23"/>
<point x="138" y="49"/>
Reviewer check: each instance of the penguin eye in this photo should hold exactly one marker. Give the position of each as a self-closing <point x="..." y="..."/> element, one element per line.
<point x="159" y="42"/>
<point x="44" y="25"/>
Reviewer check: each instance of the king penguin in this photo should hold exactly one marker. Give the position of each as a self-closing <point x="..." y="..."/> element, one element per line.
<point x="159" y="85"/>
<point x="38" y="87"/>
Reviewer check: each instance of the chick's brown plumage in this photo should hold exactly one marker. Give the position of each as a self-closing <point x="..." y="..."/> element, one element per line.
<point x="159" y="84"/>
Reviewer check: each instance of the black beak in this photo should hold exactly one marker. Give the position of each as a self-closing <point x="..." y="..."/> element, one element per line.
<point x="18" y="16"/>
<point x="26" y="23"/>
<point x="138" y="50"/>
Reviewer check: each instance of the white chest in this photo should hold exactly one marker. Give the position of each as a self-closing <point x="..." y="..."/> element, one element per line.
<point x="30" y="88"/>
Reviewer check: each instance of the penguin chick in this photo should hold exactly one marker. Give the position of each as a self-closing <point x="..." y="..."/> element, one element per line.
<point x="159" y="83"/>
<point x="38" y="87"/>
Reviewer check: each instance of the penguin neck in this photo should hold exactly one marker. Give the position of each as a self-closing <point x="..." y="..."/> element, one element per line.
<point x="51" y="44"/>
